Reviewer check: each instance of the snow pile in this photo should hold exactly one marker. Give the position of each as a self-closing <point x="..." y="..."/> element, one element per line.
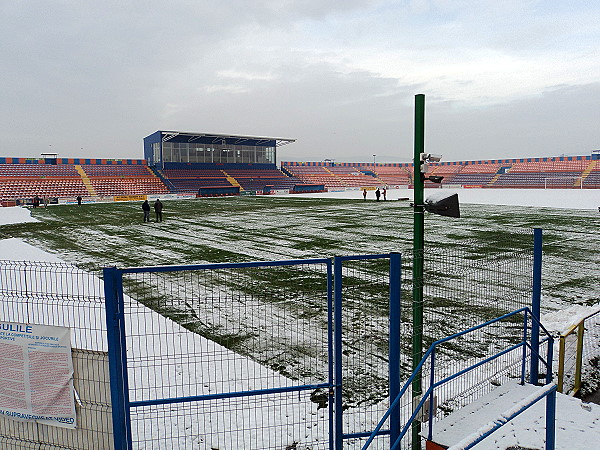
<point x="15" y="214"/>
<point x="561" y="321"/>
<point x="14" y="249"/>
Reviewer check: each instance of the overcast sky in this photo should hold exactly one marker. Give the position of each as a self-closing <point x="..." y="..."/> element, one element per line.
<point x="502" y="79"/>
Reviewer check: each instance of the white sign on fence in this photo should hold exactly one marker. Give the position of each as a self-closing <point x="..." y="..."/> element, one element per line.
<point x="36" y="376"/>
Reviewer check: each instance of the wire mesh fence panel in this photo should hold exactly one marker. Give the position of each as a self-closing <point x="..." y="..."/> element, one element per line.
<point x="268" y="421"/>
<point x="465" y="283"/>
<point x="365" y="347"/>
<point x="59" y="294"/>
<point x="468" y="283"/>
<point x="590" y="358"/>
<point x="512" y="366"/>
<point x="252" y="342"/>
<point x="224" y="333"/>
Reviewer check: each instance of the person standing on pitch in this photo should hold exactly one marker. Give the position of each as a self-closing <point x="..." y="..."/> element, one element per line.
<point x="377" y="194"/>
<point x="384" y="194"/>
<point x="365" y="195"/>
<point x="158" y="207"/>
<point x="146" y="209"/>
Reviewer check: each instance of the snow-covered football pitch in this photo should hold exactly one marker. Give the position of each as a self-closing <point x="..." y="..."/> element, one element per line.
<point x="241" y="229"/>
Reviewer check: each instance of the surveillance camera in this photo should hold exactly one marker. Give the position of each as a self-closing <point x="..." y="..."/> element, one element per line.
<point x="428" y="157"/>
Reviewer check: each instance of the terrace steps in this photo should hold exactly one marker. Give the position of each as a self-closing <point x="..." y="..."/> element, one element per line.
<point x="376" y="176"/>
<point x="579" y="181"/>
<point x="86" y="180"/>
<point x="232" y="180"/>
<point x="494" y="179"/>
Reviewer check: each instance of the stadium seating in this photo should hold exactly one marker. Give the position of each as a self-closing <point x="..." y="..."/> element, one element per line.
<point x="316" y="175"/>
<point x="335" y="176"/>
<point x="25" y="188"/>
<point x="251" y="179"/>
<point x="247" y="177"/>
<point x="110" y="180"/>
<point x="24" y="179"/>
<point x="592" y="181"/>
<point x="536" y="173"/>
<point x="192" y="179"/>
<point x="550" y="166"/>
<point x="470" y="179"/>
<point x="543" y="173"/>
<point x="393" y="175"/>
<point x="479" y="168"/>
<point x="37" y="170"/>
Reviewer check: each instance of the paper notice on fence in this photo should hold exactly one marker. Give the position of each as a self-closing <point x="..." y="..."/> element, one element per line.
<point x="36" y="374"/>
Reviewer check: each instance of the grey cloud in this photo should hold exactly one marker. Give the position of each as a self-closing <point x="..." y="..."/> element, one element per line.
<point x="347" y="117"/>
<point x="99" y="76"/>
<point x="561" y="120"/>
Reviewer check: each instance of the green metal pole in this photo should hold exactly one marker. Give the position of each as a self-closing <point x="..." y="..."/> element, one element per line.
<point x="418" y="247"/>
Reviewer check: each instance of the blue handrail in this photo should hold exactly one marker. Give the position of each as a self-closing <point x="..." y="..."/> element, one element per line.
<point x="431" y="352"/>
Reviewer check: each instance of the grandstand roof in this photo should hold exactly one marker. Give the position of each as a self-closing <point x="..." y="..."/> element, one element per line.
<point x="237" y="139"/>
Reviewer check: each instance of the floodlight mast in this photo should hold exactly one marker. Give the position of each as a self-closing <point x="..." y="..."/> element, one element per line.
<point x="418" y="249"/>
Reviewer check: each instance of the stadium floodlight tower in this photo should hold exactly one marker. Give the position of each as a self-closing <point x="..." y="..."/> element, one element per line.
<point x="442" y="205"/>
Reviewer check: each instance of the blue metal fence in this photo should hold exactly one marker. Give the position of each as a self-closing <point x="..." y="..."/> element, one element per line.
<point x="287" y="307"/>
<point x="283" y="354"/>
<point x="252" y="366"/>
<point x="59" y="294"/>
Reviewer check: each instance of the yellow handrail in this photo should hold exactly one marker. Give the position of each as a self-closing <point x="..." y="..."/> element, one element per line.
<point x="580" y="327"/>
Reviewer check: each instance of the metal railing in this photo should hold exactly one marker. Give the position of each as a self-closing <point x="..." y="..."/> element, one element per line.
<point x="429" y="395"/>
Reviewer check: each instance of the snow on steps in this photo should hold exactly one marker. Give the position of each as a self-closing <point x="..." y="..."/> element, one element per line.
<point x="577" y="423"/>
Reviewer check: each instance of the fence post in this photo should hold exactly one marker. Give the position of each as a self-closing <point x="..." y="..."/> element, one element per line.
<point x="116" y="353"/>
<point x="525" y="322"/>
<point x="550" y="361"/>
<point x="579" y="356"/>
<point x="535" y="305"/>
<point x="561" y="363"/>
<point x="418" y="248"/>
<point x="330" y="353"/>
<point x="551" y="420"/>
<point x="337" y="338"/>
<point x="394" y="342"/>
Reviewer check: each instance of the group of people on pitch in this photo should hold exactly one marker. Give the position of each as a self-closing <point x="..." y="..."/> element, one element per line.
<point x="158" y="207"/>
<point x="377" y="194"/>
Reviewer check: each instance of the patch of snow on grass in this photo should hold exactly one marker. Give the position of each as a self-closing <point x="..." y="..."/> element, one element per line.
<point x="15" y="214"/>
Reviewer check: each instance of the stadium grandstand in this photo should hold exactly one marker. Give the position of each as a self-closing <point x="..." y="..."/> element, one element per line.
<point x="202" y="164"/>
<point x="562" y="172"/>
